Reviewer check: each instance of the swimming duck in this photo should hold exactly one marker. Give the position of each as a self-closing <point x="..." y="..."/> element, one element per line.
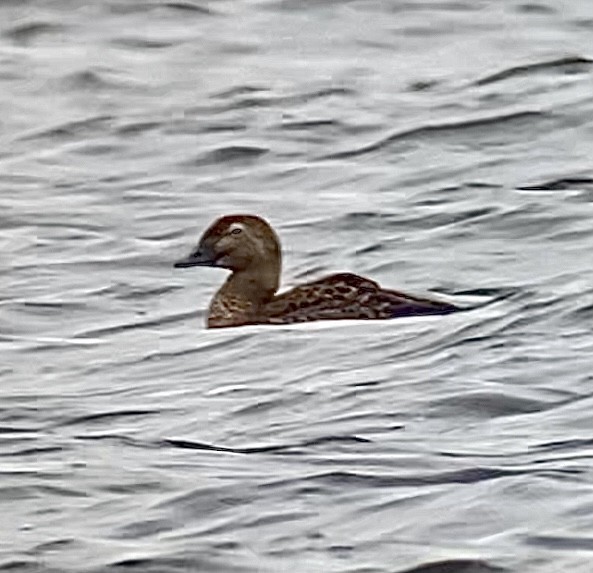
<point x="248" y="247"/>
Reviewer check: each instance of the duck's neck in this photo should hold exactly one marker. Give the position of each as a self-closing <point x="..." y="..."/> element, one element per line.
<point x="255" y="284"/>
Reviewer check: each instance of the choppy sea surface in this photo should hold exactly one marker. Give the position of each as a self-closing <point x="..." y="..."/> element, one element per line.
<point x="440" y="146"/>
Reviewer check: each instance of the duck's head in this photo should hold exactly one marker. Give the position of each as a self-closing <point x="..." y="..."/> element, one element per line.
<point x="238" y="243"/>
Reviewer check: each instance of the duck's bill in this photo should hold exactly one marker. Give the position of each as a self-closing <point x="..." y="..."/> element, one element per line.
<point x="199" y="259"/>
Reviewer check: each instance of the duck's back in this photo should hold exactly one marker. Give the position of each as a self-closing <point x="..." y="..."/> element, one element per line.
<point x="345" y="296"/>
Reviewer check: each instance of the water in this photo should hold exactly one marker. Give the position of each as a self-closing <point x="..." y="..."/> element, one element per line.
<point x="432" y="146"/>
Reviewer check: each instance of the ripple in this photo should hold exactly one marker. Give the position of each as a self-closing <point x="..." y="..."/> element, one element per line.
<point x="28" y="32"/>
<point x="240" y="154"/>
<point x="456" y="566"/>
<point x="562" y="184"/>
<point x="470" y="127"/>
<point x="484" y="404"/>
<point x="90" y="126"/>
<point x="568" y="65"/>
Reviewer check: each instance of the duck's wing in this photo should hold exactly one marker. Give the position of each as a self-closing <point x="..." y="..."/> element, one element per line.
<point x="346" y="296"/>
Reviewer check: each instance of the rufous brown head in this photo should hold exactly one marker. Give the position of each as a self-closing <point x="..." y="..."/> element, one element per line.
<point x="236" y="242"/>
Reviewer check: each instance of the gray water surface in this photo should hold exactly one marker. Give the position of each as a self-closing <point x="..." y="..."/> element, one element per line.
<point x="442" y="146"/>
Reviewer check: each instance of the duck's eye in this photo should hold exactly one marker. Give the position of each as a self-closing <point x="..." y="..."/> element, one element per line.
<point x="236" y="231"/>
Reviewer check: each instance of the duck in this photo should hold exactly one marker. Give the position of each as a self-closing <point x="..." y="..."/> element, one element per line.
<point x="248" y="246"/>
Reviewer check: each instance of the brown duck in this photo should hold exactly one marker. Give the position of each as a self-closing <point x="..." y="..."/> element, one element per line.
<point x="249" y="247"/>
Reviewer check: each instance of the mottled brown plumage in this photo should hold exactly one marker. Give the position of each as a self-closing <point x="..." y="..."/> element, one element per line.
<point x="249" y="247"/>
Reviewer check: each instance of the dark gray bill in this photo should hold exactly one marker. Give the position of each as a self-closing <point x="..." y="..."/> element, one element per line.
<point x="196" y="259"/>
